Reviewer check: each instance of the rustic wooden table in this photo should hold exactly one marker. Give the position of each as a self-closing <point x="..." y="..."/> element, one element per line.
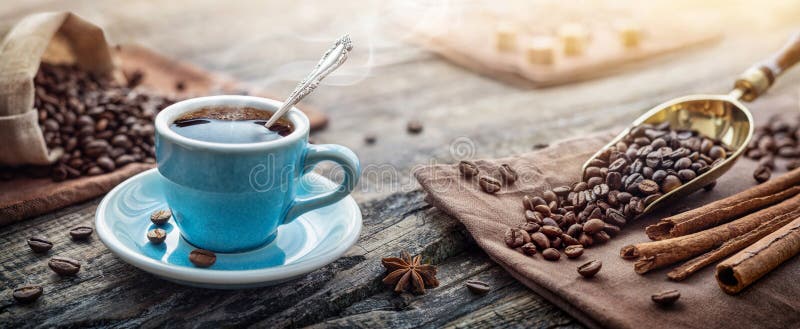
<point x="387" y="83"/>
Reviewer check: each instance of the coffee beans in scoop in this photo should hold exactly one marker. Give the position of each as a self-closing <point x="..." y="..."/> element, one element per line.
<point x="617" y="186"/>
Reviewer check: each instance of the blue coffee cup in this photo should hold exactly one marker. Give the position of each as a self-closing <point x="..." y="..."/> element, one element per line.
<point x="232" y="197"/>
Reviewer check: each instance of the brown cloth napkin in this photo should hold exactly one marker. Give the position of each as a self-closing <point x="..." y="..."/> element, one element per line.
<point x="617" y="297"/>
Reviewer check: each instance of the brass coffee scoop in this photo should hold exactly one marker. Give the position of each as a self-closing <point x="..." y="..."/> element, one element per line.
<point x="722" y="117"/>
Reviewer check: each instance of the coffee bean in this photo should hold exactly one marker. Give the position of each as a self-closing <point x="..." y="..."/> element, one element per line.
<point x="370" y="139"/>
<point x="529" y="249"/>
<point x="64" y="266"/>
<point x="509" y="174"/>
<point x="530" y="202"/>
<point x="543" y="209"/>
<point x="551" y="231"/>
<point x="592" y="172"/>
<point x="611" y="230"/>
<point x="468" y="169"/>
<point x="615" y="217"/>
<point x="547" y="221"/>
<point x="686" y="175"/>
<point x="585" y="240"/>
<point x="647" y="187"/>
<point x="601" y="237"/>
<point x="39" y="244"/>
<point x="516" y="237"/>
<point x="666" y="297"/>
<point x="568" y="240"/>
<point x="590" y="268"/>
<point x="762" y="174"/>
<point x="27" y="294"/>
<point x="540" y="240"/>
<point x="489" y="184"/>
<point x="160" y="217"/>
<point x="156" y="236"/>
<point x="414" y="127"/>
<point x="670" y="183"/>
<point x="478" y="287"/>
<point x="593" y="226"/>
<point x="575" y="230"/>
<point x="80" y="232"/>
<point x="573" y="251"/>
<point x="551" y="254"/>
<point x="204" y="258"/>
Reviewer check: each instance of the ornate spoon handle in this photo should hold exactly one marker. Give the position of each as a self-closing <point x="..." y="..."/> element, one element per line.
<point x="329" y="62"/>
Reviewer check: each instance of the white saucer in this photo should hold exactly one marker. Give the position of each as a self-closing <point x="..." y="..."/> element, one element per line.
<point x="314" y="240"/>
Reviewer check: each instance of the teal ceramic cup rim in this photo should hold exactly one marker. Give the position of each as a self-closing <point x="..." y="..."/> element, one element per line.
<point x="172" y="112"/>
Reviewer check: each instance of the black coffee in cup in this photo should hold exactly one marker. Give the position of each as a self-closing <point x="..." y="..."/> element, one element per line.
<point x="230" y="125"/>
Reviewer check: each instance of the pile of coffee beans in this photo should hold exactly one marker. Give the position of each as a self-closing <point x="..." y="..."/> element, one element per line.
<point x="617" y="186"/>
<point x="778" y="138"/>
<point x="100" y="124"/>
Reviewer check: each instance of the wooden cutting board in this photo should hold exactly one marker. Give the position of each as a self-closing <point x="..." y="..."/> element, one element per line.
<point x="23" y="198"/>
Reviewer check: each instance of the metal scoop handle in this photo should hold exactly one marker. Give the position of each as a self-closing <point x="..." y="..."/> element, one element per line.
<point x="329" y="62"/>
<point x="758" y="78"/>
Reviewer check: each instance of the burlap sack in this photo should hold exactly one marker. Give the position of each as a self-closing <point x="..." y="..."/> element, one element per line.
<point x="51" y="37"/>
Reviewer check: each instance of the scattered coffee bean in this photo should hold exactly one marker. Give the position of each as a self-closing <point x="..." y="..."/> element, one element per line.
<point x="27" y="294"/>
<point x="529" y="248"/>
<point x="590" y="268"/>
<point x="414" y="126"/>
<point x="509" y="174"/>
<point x="515" y="237"/>
<point x="666" y="297"/>
<point x="573" y="251"/>
<point x="202" y="258"/>
<point x="540" y="240"/>
<point x="489" y="184"/>
<point x="762" y="174"/>
<point x="64" y="266"/>
<point x="551" y="254"/>
<point x="551" y="231"/>
<point x="80" y="232"/>
<point x="39" y="244"/>
<point x="370" y="139"/>
<point x="156" y="236"/>
<point x="468" y="169"/>
<point x="478" y="287"/>
<point x="160" y="217"/>
<point x="540" y="146"/>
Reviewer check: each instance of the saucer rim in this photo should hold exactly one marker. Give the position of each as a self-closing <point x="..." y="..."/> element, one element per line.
<point x="222" y="277"/>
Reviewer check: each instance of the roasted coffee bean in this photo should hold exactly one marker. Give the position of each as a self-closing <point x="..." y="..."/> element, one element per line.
<point x="543" y="209"/>
<point x="160" y="217"/>
<point x="686" y="175"/>
<point x="666" y="297"/>
<point x="204" y="258"/>
<point x="593" y="226"/>
<point x="601" y="237"/>
<point x="768" y="162"/>
<point x="551" y="254"/>
<point x="556" y="243"/>
<point x="670" y="183"/>
<point x="590" y="268"/>
<point x="592" y="172"/>
<point x="370" y="139"/>
<point x="528" y="248"/>
<point x="516" y="237"/>
<point x="575" y="230"/>
<point x="156" y="236"/>
<point x="762" y="174"/>
<point x="615" y="217"/>
<point x="529" y="227"/>
<point x="478" y="287"/>
<point x="39" y="244"/>
<point x="80" y="232"/>
<point x="64" y="265"/>
<point x="468" y="169"/>
<point x="562" y="190"/>
<point x="717" y="152"/>
<point x="551" y="231"/>
<point x="540" y="240"/>
<point x="651" y="198"/>
<point x="611" y="230"/>
<point x="594" y="181"/>
<point x="27" y="294"/>
<point x="573" y="251"/>
<point x="547" y="221"/>
<point x="509" y="174"/>
<point x="580" y="187"/>
<point x="682" y="163"/>
<point x="585" y="240"/>
<point x="530" y="202"/>
<point x="568" y="240"/>
<point x="414" y="127"/>
<point x="648" y="187"/>
<point x="534" y="217"/>
<point x="489" y="184"/>
<point x="618" y="165"/>
<point x="600" y="190"/>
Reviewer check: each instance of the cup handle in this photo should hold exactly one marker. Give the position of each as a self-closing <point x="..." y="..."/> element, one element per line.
<point x="314" y="155"/>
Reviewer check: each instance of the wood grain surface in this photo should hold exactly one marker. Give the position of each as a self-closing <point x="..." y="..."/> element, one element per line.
<point x="388" y="83"/>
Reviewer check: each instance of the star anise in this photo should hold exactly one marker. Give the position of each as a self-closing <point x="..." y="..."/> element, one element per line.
<point x="409" y="274"/>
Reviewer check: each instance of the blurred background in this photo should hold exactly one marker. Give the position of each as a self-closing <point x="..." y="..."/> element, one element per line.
<point x="439" y="61"/>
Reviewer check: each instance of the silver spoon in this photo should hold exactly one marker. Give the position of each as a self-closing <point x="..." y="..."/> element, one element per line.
<point x="329" y="62"/>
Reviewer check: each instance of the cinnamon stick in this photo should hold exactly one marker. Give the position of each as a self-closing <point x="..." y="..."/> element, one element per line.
<point x="750" y="264"/>
<point x="726" y="249"/>
<point x="657" y="254"/>
<point x="725" y="210"/>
